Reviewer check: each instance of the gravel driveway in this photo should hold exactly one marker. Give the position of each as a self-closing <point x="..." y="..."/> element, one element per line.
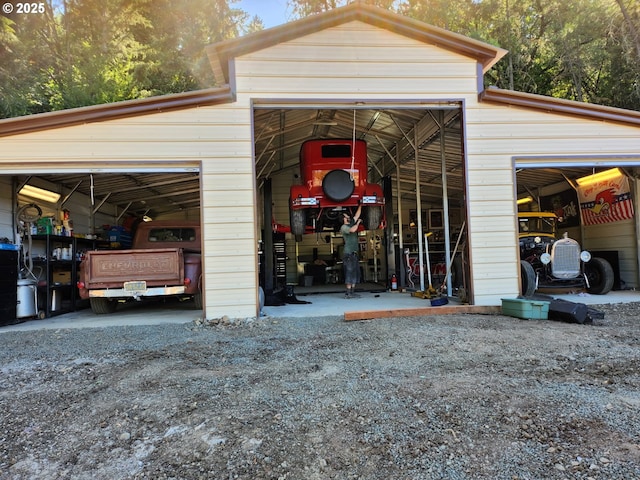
<point x="438" y="397"/>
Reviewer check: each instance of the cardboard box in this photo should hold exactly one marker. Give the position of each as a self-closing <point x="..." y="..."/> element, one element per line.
<point x="62" y="277"/>
<point x="527" y="309"/>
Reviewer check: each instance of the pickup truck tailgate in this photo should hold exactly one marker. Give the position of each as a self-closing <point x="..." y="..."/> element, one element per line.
<point x="162" y="266"/>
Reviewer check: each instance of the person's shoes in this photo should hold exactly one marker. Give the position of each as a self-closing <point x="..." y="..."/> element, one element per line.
<point x="347" y="295"/>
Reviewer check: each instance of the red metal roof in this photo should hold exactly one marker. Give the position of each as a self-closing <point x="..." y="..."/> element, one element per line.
<point x="111" y="111"/>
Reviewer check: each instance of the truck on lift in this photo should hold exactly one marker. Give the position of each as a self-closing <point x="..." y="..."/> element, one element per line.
<point x="333" y="180"/>
<point x="164" y="261"/>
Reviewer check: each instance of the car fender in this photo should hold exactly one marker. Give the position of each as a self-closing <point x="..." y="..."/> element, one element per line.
<point x="298" y="191"/>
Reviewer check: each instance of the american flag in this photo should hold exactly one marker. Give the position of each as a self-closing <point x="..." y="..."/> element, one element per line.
<point x="607" y="201"/>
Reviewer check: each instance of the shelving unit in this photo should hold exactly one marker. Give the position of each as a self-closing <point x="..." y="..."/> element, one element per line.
<point x="57" y="273"/>
<point x="8" y="286"/>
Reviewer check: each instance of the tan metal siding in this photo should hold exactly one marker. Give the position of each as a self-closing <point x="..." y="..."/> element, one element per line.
<point x="355" y="60"/>
<point x="600" y="237"/>
<point x="217" y="138"/>
<point x="494" y="136"/>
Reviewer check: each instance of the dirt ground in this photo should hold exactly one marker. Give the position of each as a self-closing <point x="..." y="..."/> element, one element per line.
<point x="439" y="397"/>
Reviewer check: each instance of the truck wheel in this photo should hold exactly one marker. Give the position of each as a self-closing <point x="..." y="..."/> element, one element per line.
<point x="197" y="300"/>
<point x="600" y="275"/>
<point x="298" y="221"/>
<point x="101" y="305"/>
<point x="528" y="279"/>
<point x="373" y="217"/>
<point x="261" y="297"/>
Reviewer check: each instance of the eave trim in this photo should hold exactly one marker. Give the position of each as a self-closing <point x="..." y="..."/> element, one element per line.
<point x="557" y="105"/>
<point x="112" y="111"/>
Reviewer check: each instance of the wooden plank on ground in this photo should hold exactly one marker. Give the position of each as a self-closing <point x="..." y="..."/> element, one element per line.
<point x="423" y="311"/>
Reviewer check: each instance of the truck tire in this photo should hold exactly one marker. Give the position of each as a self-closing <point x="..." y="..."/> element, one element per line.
<point x="338" y="185"/>
<point x="528" y="279"/>
<point x="298" y="221"/>
<point x="100" y="305"/>
<point x="373" y="217"/>
<point x="197" y="301"/>
<point x="600" y="275"/>
<point x="261" y="298"/>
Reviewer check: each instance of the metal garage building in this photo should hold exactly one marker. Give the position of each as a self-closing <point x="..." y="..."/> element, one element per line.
<point x="413" y="91"/>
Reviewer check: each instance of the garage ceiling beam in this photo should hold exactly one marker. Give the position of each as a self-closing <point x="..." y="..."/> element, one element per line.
<point x="407" y="174"/>
<point x="124" y="210"/>
<point x="97" y="207"/>
<point x="165" y="195"/>
<point x="427" y="133"/>
<point x="172" y="181"/>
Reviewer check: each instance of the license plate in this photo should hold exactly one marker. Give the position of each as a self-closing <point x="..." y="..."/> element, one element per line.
<point x="137" y="286"/>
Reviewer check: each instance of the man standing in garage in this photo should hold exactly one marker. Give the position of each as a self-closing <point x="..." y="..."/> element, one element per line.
<point x="350" y="260"/>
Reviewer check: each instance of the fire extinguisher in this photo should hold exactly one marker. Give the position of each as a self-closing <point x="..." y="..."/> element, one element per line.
<point x="394" y="282"/>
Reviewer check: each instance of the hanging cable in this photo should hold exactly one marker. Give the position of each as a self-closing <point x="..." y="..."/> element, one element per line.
<point x="28" y="216"/>
<point x="353" y="146"/>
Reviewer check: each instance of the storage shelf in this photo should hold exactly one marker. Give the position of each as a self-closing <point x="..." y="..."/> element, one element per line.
<point x="58" y="297"/>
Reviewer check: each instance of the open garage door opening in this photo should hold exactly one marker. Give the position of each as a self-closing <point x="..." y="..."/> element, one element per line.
<point x="588" y="212"/>
<point x="403" y="165"/>
<point x="61" y="218"/>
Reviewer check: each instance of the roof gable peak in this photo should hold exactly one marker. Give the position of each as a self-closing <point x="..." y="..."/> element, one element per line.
<point x="221" y="54"/>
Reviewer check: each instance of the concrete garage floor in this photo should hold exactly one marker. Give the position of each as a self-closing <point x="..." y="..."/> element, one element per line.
<point x="335" y="304"/>
<point x="323" y="304"/>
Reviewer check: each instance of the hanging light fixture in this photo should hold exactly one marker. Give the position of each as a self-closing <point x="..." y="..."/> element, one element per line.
<point x="39" y="194"/>
<point x="599" y="177"/>
<point x="524" y="200"/>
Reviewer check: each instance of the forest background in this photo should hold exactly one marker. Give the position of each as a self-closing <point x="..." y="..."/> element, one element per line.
<point x="71" y="53"/>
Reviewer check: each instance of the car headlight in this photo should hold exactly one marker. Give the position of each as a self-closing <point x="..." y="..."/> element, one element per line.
<point x="545" y="258"/>
<point x="537" y="239"/>
<point x="585" y="256"/>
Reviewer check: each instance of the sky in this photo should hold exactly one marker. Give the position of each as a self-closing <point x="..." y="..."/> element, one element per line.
<point x="272" y="12"/>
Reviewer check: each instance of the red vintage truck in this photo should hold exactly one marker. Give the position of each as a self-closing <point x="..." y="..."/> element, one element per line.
<point x="165" y="260"/>
<point x="334" y="179"/>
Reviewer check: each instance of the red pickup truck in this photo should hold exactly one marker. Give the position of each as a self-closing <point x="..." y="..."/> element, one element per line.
<point x="165" y="260"/>
<point x="334" y="179"/>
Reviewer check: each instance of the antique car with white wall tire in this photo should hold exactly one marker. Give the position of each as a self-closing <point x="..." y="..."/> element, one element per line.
<point x="549" y="262"/>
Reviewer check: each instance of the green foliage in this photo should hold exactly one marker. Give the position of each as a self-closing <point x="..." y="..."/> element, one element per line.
<point x="585" y="50"/>
<point x="86" y="52"/>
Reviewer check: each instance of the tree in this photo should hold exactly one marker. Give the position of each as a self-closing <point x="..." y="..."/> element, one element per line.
<point x="87" y="52"/>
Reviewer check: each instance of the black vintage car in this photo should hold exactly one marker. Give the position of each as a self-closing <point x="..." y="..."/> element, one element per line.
<point x="549" y="262"/>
